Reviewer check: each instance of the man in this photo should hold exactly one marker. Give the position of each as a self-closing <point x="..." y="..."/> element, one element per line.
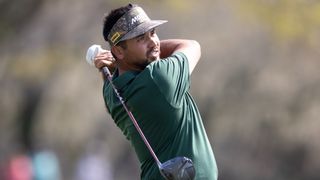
<point x="153" y="77"/>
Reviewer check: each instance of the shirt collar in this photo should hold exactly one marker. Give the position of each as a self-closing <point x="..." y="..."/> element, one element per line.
<point x="121" y="81"/>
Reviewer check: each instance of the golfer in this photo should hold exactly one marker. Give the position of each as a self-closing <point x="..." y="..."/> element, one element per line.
<point x="153" y="77"/>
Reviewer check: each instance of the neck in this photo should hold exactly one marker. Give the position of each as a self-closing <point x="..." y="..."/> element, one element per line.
<point x="124" y="68"/>
<point x="121" y="71"/>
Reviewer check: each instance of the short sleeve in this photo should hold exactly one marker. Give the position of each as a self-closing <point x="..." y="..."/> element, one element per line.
<point x="171" y="75"/>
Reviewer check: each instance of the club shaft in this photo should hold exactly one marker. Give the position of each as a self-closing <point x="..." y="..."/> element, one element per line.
<point x="135" y="123"/>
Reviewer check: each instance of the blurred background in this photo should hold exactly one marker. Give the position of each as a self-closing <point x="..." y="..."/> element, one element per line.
<point x="257" y="87"/>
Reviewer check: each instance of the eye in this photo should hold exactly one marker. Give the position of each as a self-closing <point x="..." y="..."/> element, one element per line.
<point x="140" y="38"/>
<point x="153" y="32"/>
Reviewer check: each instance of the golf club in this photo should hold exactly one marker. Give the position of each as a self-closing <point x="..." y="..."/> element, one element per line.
<point x="178" y="168"/>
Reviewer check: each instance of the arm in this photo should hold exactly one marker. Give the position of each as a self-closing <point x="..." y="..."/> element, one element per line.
<point x="190" y="48"/>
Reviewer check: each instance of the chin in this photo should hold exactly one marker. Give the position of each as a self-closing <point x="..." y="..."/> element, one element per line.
<point x="154" y="58"/>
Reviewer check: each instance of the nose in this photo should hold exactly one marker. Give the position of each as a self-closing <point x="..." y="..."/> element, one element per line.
<point x="152" y="39"/>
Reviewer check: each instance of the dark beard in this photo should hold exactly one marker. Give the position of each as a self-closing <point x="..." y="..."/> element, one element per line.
<point x="145" y="63"/>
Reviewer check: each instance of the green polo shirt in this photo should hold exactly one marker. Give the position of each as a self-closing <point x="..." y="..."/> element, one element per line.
<point x="158" y="97"/>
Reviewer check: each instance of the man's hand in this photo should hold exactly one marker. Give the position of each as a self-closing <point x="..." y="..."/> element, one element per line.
<point x="105" y="59"/>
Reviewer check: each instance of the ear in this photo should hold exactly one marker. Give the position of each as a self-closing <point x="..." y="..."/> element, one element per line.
<point x="118" y="52"/>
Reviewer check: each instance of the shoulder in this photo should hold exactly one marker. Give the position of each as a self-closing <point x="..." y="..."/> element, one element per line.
<point x="177" y="56"/>
<point x="173" y="65"/>
<point x="176" y="59"/>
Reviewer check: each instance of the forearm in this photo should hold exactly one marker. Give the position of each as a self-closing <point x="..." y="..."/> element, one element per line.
<point x="169" y="46"/>
<point x="190" y="48"/>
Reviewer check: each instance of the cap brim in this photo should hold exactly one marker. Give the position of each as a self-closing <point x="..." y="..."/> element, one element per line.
<point x="142" y="28"/>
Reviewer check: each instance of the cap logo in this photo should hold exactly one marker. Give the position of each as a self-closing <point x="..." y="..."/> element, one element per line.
<point x="115" y="37"/>
<point x="126" y="23"/>
<point x="138" y="18"/>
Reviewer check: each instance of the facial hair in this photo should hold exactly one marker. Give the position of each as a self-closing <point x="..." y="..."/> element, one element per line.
<point x="149" y="58"/>
<point x="151" y="54"/>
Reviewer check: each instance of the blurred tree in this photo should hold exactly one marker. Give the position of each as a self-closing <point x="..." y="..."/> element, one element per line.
<point x="288" y="19"/>
<point x="14" y="14"/>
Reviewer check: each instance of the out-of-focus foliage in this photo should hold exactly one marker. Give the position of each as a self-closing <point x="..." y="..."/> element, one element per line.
<point x="14" y="14"/>
<point x="287" y="19"/>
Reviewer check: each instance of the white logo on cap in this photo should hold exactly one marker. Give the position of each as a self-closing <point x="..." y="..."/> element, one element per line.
<point x="138" y="18"/>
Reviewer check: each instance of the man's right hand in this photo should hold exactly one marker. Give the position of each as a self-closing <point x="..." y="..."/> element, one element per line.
<point x="105" y="59"/>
